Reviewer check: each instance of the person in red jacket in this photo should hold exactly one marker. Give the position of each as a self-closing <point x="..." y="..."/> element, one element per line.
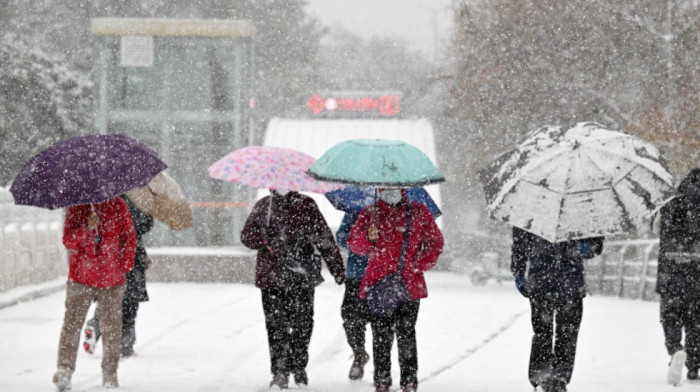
<point x="288" y="231"/>
<point x="378" y="234"/>
<point x="101" y="240"/>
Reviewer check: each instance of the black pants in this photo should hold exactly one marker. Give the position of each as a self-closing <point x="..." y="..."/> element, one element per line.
<point x="355" y="314"/>
<point x="555" y="325"/>
<point x="130" y="307"/>
<point x="289" y="319"/>
<point x="677" y="314"/>
<point x="403" y="324"/>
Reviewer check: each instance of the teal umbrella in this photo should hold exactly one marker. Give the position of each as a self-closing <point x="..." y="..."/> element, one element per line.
<point x="376" y="162"/>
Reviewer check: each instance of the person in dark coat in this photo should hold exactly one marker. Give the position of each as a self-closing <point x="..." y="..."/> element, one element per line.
<point x="678" y="277"/>
<point x="354" y="310"/>
<point x="135" y="287"/>
<point x="551" y="276"/>
<point x="287" y="230"/>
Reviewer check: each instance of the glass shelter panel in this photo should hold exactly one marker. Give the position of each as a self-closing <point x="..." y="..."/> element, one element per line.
<point x="191" y="106"/>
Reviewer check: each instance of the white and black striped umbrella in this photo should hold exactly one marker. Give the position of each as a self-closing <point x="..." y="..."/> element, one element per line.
<point x="578" y="182"/>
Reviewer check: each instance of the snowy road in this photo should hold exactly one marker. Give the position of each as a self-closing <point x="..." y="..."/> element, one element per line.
<point x="211" y="337"/>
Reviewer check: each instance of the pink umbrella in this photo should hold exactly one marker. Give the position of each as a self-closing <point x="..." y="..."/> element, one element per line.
<point x="266" y="167"/>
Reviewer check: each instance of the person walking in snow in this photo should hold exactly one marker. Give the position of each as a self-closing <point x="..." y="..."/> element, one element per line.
<point x="379" y="234"/>
<point x="102" y="241"/>
<point x="551" y="276"/>
<point x="678" y="278"/>
<point x="286" y="228"/>
<point x="354" y="310"/>
<point x="135" y="288"/>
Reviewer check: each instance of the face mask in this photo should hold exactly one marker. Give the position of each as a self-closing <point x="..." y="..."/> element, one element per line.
<point x="390" y="196"/>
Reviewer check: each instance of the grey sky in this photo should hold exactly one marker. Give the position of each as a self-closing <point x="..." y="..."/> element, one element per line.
<point x="421" y="23"/>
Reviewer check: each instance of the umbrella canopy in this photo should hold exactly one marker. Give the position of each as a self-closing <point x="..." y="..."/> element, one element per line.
<point x="354" y="198"/>
<point x="163" y="199"/>
<point x="86" y="169"/>
<point x="376" y="162"/>
<point x="569" y="183"/>
<point x="264" y="167"/>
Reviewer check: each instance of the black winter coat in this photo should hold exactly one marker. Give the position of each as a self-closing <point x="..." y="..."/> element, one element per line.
<point x="680" y="232"/>
<point x="291" y="227"/>
<point x="136" y="279"/>
<point x="552" y="270"/>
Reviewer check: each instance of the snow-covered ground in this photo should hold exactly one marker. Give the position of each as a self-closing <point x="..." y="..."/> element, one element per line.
<point x="211" y="337"/>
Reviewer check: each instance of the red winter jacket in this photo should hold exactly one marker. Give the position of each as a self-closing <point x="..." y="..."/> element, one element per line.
<point x="106" y="264"/>
<point x="424" y="245"/>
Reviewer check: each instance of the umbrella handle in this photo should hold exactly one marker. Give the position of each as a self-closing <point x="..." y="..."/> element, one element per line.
<point x="373" y="227"/>
<point x="98" y="237"/>
<point x="269" y="212"/>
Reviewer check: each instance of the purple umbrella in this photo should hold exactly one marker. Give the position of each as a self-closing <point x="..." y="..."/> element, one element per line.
<point x="87" y="169"/>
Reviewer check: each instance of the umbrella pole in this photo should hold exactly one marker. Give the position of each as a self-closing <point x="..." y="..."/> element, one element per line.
<point x="373" y="226"/>
<point x="98" y="238"/>
<point x="269" y="213"/>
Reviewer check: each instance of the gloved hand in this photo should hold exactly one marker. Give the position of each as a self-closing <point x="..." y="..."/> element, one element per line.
<point x="583" y="249"/>
<point x="340" y="279"/>
<point x="521" y="285"/>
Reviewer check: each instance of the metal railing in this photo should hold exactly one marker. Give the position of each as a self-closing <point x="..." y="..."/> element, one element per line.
<point x="625" y="269"/>
<point x="31" y="250"/>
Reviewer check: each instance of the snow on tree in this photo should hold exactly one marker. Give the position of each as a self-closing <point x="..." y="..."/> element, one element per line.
<point x="43" y="101"/>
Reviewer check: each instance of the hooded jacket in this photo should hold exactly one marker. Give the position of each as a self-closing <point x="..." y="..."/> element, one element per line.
<point x="136" y="279"/>
<point x="552" y="270"/>
<point x="281" y="225"/>
<point x="680" y="232"/>
<point x="100" y="259"/>
<point x="424" y="245"/>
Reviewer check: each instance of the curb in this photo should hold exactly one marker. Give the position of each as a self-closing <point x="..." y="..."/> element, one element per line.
<point x="39" y="292"/>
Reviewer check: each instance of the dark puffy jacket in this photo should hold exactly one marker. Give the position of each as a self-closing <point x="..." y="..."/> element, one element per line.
<point x="552" y="270"/>
<point x="136" y="279"/>
<point x="680" y="232"/>
<point x="280" y="226"/>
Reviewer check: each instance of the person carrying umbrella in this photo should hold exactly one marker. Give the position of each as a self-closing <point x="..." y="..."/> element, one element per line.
<point x="392" y="232"/>
<point x="563" y="189"/>
<point x="550" y="275"/>
<point x="399" y="237"/>
<point x="87" y="174"/>
<point x="678" y="278"/>
<point x="102" y="243"/>
<point x="354" y="310"/>
<point x="291" y="237"/>
<point x="135" y="291"/>
<point x="287" y="228"/>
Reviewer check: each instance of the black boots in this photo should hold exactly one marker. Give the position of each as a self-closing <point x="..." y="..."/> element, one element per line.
<point x="357" y="370"/>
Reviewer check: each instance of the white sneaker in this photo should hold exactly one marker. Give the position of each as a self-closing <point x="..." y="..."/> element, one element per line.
<point x="62" y="379"/>
<point x="675" y="368"/>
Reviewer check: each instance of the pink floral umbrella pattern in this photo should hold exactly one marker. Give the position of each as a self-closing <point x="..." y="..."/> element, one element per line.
<point x="265" y="167"/>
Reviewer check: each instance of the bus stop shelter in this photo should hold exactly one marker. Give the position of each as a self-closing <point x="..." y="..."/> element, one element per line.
<point x="182" y="87"/>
